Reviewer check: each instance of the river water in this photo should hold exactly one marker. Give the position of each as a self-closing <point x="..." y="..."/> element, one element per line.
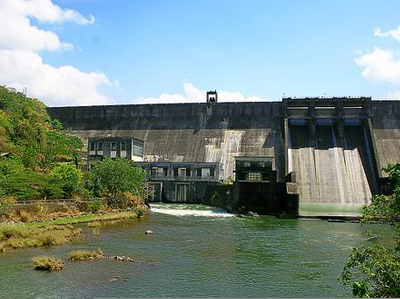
<point x="195" y="251"/>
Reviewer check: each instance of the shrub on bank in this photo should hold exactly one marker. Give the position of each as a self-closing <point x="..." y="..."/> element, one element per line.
<point x="24" y="216"/>
<point x="4" y="205"/>
<point x="68" y="178"/>
<point x="47" y="263"/>
<point x="112" y="178"/>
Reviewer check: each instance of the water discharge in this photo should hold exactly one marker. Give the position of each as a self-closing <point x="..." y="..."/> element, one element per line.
<point x="191" y="210"/>
<point x="330" y="175"/>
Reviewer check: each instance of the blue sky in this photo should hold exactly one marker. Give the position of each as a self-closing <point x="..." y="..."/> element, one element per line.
<point x="91" y="52"/>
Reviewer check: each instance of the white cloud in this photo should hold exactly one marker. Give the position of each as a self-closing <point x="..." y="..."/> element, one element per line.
<point x="17" y="32"/>
<point x="192" y="94"/>
<point x="394" y="95"/>
<point x="60" y="86"/>
<point x="22" y="66"/>
<point x="380" y="65"/>
<point x="395" y="33"/>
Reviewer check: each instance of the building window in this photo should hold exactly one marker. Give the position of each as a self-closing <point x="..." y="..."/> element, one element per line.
<point x="154" y="171"/>
<point x="113" y="146"/>
<point x="123" y="146"/>
<point x="165" y="170"/>
<point x="211" y="172"/>
<point x="137" y="148"/>
<point x="198" y="172"/>
<point x="205" y="172"/>
<point x="188" y="171"/>
<point x="182" y="171"/>
<point x="100" y="146"/>
<point x="176" y="171"/>
<point x="267" y="176"/>
<point x="254" y="176"/>
<point x="92" y="146"/>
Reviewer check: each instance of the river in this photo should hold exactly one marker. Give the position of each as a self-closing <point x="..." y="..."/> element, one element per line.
<point x="195" y="251"/>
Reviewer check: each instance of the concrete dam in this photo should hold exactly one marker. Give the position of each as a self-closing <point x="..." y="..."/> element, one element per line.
<point x="329" y="151"/>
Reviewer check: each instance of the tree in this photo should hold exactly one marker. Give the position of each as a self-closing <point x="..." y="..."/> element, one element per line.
<point x="68" y="178"/>
<point x="111" y="178"/>
<point x="29" y="133"/>
<point x="373" y="270"/>
<point x="34" y="144"/>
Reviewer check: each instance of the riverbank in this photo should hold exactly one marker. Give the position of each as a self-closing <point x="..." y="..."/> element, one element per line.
<point x="56" y="231"/>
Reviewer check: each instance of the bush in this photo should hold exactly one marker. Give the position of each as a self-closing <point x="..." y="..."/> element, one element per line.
<point x="68" y="178"/>
<point x="13" y="231"/>
<point x="111" y="178"/>
<point x="47" y="263"/>
<point x="24" y="216"/>
<point x="94" y="205"/>
<point x="82" y="255"/>
<point x="4" y="206"/>
<point x="18" y="181"/>
<point x="126" y="199"/>
<point x="373" y="270"/>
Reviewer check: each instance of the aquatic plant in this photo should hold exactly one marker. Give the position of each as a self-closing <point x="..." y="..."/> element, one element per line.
<point x="82" y="255"/>
<point x="47" y="263"/>
<point x="94" y="224"/>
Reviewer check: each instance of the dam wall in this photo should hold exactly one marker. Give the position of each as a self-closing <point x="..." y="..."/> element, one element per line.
<point x="194" y="132"/>
<point x="335" y="147"/>
<point x="385" y="124"/>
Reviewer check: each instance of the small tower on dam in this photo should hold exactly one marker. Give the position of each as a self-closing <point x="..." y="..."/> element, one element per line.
<point x="212" y="97"/>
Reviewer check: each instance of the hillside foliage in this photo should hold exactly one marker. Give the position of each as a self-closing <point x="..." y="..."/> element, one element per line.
<point x="29" y="134"/>
<point x="40" y="160"/>
<point x="373" y="270"/>
<point x="31" y="147"/>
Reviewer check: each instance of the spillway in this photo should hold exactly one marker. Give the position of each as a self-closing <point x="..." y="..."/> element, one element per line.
<point x="330" y="177"/>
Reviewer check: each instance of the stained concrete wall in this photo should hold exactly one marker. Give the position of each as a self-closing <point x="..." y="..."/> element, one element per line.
<point x="385" y="123"/>
<point x="187" y="132"/>
<point x="218" y="132"/>
<point x="327" y="173"/>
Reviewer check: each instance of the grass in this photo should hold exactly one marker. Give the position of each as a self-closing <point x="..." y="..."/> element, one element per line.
<point x="54" y="232"/>
<point x="94" y="224"/>
<point x="24" y="216"/>
<point x="20" y="235"/>
<point x="89" y="218"/>
<point x="47" y="263"/>
<point x="82" y="255"/>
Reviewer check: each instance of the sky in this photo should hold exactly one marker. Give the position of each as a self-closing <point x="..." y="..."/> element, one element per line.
<point x="96" y="52"/>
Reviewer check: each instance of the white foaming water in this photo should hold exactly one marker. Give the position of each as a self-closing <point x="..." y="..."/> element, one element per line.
<point x="189" y="210"/>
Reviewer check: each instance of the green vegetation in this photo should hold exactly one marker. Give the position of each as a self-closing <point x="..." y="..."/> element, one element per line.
<point x="68" y="179"/>
<point x="117" y="180"/>
<point x="373" y="270"/>
<point x="20" y="235"/>
<point x="31" y="146"/>
<point x="94" y="224"/>
<point x="86" y="218"/>
<point x="40" y="160"/>
<point x="82" y="255"/>
<point x="47" y="263"/>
